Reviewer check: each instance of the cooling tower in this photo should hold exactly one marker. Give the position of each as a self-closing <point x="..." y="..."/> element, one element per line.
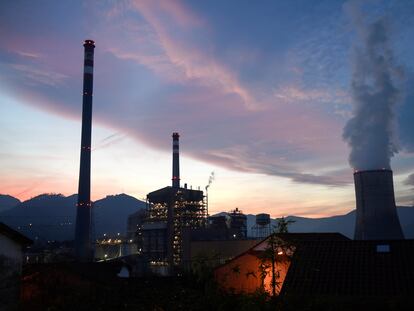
<point x="83" y="233"/>
<point x="376" y="213"/>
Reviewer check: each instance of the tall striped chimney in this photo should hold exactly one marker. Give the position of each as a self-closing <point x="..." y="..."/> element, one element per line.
<point x="83" y="233"/>
<point x="176" y="161"/>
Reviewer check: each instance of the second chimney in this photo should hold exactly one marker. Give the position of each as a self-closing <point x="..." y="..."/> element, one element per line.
<point x="176" y="161"/>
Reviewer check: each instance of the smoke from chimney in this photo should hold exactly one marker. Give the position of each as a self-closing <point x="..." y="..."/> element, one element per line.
<point x="371" y="131"/>
<point x="210" y="180"/>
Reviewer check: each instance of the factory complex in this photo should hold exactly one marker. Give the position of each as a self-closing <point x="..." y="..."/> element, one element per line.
<point x="175" y="234"/>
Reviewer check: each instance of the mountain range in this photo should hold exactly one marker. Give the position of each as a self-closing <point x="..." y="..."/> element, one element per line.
<point x="52" y="217"/>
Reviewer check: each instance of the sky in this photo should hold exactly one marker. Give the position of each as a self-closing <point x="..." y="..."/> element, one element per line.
<point x="260" y="93"/>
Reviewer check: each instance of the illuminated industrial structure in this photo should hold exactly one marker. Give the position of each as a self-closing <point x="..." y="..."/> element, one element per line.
<point x="376" y="213"/>
<point x="109" y="247"/>
<point x="170" y="210"/>
<point x="83" y="231"/>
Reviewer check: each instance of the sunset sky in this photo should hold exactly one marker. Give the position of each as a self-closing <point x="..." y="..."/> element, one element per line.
<point x="258" y="90"/>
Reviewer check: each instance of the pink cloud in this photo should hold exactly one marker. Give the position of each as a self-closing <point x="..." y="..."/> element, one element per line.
<point x="175" y="58"/>
<point x="224" y="121"/>
<point x="36" y="75"/>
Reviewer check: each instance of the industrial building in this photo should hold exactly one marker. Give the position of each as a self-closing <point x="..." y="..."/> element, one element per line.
<point x="238" y="223"/>
<point x="176" y="217"/>
<point x="170" y="210"/>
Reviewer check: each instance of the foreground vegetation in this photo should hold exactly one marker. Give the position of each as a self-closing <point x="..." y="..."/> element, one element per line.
<point x="51" y="289"/>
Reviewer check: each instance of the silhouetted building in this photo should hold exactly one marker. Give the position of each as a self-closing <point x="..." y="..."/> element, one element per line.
<point x="324" y="268"/>
<point x="238" y="223"/>
<point x="376" y="213"/>
<point x="251" y="270"/>
<point x="170" y="210"/>
<point x="12" y="244"/>
<point x="134" y="231"/>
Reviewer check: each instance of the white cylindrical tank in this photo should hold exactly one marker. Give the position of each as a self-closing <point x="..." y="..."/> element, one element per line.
<point x="376" y="213"/>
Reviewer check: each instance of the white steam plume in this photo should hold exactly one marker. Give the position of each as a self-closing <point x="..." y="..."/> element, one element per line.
<point x="371" y="131"/>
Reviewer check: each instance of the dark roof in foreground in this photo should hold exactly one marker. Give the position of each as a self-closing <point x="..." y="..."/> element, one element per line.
<point x="312" y="236"/>
<point x="351" y="268"/>
<point x="295" y="238"/>
<point x="14" y="235"/>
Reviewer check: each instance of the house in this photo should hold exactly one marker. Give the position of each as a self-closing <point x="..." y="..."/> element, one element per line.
<point x="252" y="269"/>
<point x="352" y="268"/>
<point x="12" y="244"/>
<point x="325" y="269"/>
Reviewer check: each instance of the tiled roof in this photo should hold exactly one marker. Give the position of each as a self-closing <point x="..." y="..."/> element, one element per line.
<point x="351" y="268"/>
<point x="295" y="239"/>
<point x="313" y="236"/>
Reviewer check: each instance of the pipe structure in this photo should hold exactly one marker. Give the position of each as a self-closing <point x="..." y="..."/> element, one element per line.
<point x="176" y="161"/>
<point x="83" y="231"/>
<point x="376" y="213"/>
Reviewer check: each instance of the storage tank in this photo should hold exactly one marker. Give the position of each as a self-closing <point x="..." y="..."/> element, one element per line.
<point x="262" y="227"/>
<point x="262" y="219"/>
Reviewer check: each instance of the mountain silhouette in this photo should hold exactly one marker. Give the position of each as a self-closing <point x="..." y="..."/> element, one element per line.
<point x="7" y="202"/>
<point x="52" y="217"/>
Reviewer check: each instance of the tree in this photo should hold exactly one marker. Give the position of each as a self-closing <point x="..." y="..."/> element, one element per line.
<point x="276" y="246"/>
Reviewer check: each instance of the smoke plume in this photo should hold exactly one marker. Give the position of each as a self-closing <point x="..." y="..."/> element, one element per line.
<point x="210" y="180"/>
<point x="371" y="131"/>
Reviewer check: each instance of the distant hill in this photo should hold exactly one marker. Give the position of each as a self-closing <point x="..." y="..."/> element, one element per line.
<point x="111" y="213"/>
<point x="344" y="224"/>
<point x="52" y="216"/>
<point x="7" y="202"/>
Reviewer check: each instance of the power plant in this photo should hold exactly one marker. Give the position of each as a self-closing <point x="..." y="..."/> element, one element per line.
<point x="376" y="213"/>
<point x="170" y="210"/>
<point x="83" y="231"/>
